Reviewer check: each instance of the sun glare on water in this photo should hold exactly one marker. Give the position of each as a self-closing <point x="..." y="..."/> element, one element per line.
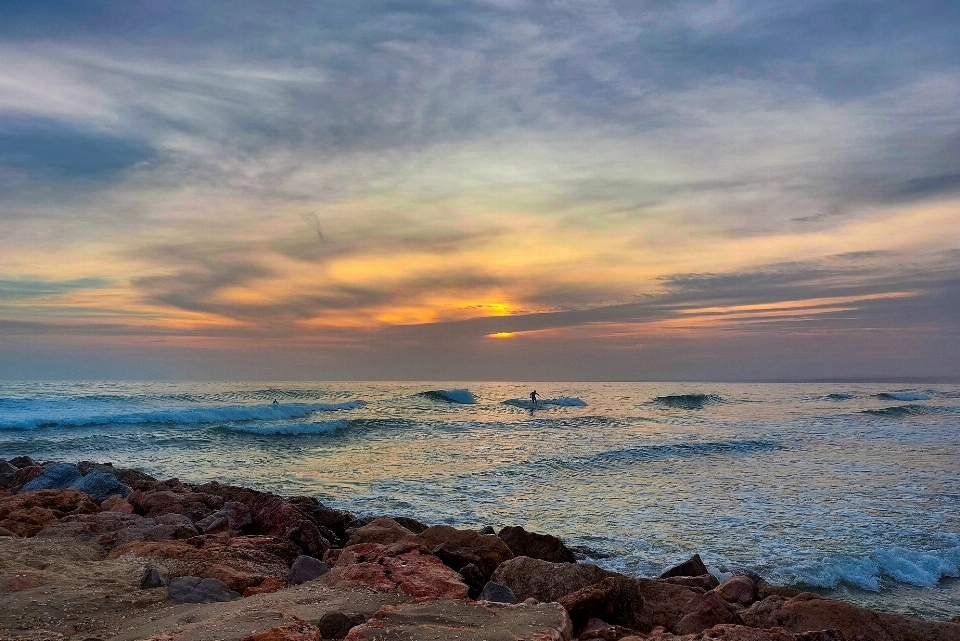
<point x="502" y="335"/>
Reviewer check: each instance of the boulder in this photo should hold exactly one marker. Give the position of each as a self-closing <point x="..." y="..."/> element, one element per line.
<point x="702" y="611"/>
<point x="324" y="517"/>
<point x="546" y="581"/>
<point x="693" y="566"/>
<point x="231" y="518"/>
<point x="738" y="589"/>
<point x="466" y="621"/>
<point x="298" y="631"/>
<point x="22" y="461"/>
<point x="194" y="589"/>
<point x="337" y="625"/>
<point x="24" y="475"/>
<point x="810" y="612"/>
<point x="536" y="546"/>
<point x="383" y="531"/>
<point x="661" y="604"/>
<point x="456" y="548"/>
<point x="6" y="474"/>
<point x="306" y="568"/>
<point x="821" y="635"/>
<point x="474" y="579"/>
<point x="705" y="582"/>
<point x="100" y="485"/>
<point x="413" y="525"/>
<point x="402" y="567"/>
<point x="600" y="630"/>
<point x="594" y="601"/>
<point x="269" y="584"/>
<point x="116" y="503"/>
<point x="308" y="536"/>
<point x="237" y="579"/>
<point x="153" y="577"/>
<point x="54" y="477"/>
<point x="194" y="505"/>
<point x="724" y="632"/>
<point x="28" y="513"/>
<point x="497" y="593"/>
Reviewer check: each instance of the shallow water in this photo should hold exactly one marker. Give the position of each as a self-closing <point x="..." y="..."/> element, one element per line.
<point x="851" y="490"/>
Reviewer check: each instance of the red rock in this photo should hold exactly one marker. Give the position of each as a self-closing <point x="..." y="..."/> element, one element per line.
<point x="705" y="582"/>
<point x="152" y="549"/>
<point x="738" y="589"/>
<point x="330" y="557"/>
<point x="27" y="514"/>
<point x="546" y="581"/>
<point x="691" y="567"/>
<point x="301" y="631"/>
<point x="194" y="505"/>
<point x="398" y="567"/>
<point x="723" y="633"/>
<point x="116" y="503"/>
<point x="594" y="601"/>
<point x="24" y="475"/>
<point x="307" y="535"/>
<point x="269" y="584"/>
<point x="702" y="611"/>
<point x="810" y="612"/>
<point x="383" y="531"/>
<point x="536" y="546"/>
<point x="235" y="579"/>
<point x="231" y="518"/>
<point x="457" y="548"/>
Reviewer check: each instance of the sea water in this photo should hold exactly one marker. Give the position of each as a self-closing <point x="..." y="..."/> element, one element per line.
<point x="849" y="490"/>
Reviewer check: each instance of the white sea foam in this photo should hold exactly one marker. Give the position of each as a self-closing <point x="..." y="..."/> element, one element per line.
<point x="183" y="416"/>
<point x="563" y="401"/>
<point x="320" y="427"/>
<point x="921" y="568"/>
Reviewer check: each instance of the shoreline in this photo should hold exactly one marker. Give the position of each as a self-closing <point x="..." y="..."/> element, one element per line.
<point x="157" y="547"/>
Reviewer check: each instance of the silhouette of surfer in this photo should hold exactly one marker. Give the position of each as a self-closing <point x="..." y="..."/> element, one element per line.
<point x="533" y="397"/>
<point x="275" y="402"/>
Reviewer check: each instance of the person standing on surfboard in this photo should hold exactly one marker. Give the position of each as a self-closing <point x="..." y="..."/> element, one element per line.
<point x="533" y="397"/>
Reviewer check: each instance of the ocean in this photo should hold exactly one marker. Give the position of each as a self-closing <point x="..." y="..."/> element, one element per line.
<point x="850" y="490"/>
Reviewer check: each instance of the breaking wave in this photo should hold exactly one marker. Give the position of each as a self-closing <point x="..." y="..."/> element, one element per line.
<point x="920" y="568"/>
<point x="462" y="396"/>
<point x="189" y="416"/>
<point x="903" y="396"/>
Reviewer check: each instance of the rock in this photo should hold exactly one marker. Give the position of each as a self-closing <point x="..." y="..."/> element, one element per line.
<point x="546" y="581"/>
<point x="299" y="631"/>
<point x="810" y="612"/>
<point x="6" y="474"/>
<point x="306" y="568"/>
<point x="402" y="567"/>
<point x="308" y="536"/>
<point x="55" y="477"/>
<point x="474" y="579"/>
<point x="594" y="601"/>
<point x="194" y="505"/>
<point x="600" y="630"/>
<point x="5" y="532"/>
<point x="193" y="589"/>
<point x="237" y="579"/>
<point x="231" y="518"/>
<point x="330" y="557"/>
<point x="821" y="635"/>
<point x="324" y="517"/>
<point x="24" y="475"/>
<point x="269" y="584"/>
<point x="738" y="589"/>
<point x="704" y="611"/>
<point x="413" y="525"/>
<point x="693" y="566"/>
<point x="466" y="621"/>
<point x="22" y="462"/>
<point x="100" y="485"/>
<point x="488" y="529"/>
<point x="497" y="593"/>
<point x="457" y="548"/>
<point x="536" y="546"/>
<point x="28" y="513"/>
<point x="153" y="577"/>
<point x="116" y="503"/>
<point x="705" y="582"/>
<point x="337" y="625"/>
<point x="383" y="531"/>
<point x="723" y="633"/>
<point x="113" y="529"/>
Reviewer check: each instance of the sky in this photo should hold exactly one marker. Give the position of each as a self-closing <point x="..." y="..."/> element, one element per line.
<point x="480" y="189"/>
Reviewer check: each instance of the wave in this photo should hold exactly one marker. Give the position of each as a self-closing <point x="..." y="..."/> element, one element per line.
<point x="903" y="396"/>
<point x="688" y="401"/>
<point x="462" y="396"/>
<point x="902" y="410"/>
<point x="920" y="568"/>
<point x="563" y="401"/>
<point x="838" y="397"/>
<point x="320" y="427"/>
<point x="189" y="416"/>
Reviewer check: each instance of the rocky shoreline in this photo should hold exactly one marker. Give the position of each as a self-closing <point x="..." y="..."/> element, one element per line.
<point x="89" y="551"/>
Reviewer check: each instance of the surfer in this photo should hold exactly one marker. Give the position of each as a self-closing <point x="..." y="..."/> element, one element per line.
<point x="533" y="397"/>
<point x="275" y="402"/>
